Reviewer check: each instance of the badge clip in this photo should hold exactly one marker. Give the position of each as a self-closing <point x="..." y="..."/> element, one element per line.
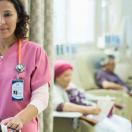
<point x="20" y="68"/>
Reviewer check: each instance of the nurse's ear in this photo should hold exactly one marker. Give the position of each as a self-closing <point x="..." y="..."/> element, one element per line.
<point x="18" y="19"/>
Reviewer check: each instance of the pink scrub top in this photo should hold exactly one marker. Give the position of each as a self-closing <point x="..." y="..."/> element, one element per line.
<point x="35" y="75"/>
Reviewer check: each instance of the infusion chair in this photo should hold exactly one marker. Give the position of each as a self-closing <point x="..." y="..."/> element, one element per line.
<point x="85" y="66"/>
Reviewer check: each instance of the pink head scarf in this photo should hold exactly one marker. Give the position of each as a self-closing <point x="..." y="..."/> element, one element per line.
<point x="60" y="67"/>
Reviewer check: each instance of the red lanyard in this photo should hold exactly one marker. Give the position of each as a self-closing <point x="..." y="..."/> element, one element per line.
<point x="19" y="51"/>
<point x="19" y="66"/>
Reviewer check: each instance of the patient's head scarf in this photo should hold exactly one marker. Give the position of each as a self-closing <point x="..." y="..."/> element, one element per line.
<point x="60" y="67"/>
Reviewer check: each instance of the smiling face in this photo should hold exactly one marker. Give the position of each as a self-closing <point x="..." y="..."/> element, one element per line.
<point x="64" y="79"/>
<point x="8" y="19"/>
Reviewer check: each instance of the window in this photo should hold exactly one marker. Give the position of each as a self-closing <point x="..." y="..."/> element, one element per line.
<point x="74" y="21"/>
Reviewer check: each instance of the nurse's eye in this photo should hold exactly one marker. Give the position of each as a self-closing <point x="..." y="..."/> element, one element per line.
<point x="8" y="14"/>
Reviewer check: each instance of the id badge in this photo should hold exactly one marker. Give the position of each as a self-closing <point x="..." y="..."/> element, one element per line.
<point x="17" y="90"/>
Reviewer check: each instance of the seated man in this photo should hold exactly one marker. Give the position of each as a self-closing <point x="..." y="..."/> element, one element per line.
<point x="69" y="99"/>
<point x="106" y="78"/>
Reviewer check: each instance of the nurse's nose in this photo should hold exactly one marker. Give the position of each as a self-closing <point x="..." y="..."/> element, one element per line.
<point x="2" y="20"/>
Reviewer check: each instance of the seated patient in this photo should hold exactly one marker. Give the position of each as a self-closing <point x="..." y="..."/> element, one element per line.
<point x="69" y="99"/>
<point x="106" y="78"/>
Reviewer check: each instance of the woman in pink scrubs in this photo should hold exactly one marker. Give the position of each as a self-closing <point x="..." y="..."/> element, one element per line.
<point x="24" y="71"/>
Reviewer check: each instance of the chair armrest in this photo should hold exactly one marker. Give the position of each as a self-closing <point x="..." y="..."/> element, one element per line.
<point x="74" y="116"/>
<point x="67" y="114"/>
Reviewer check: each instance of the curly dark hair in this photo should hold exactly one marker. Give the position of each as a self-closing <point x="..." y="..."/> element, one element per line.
<point x="22" y="25"/>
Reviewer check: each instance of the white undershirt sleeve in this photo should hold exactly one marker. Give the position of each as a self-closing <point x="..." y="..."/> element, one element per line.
<point x="40" y="97"/>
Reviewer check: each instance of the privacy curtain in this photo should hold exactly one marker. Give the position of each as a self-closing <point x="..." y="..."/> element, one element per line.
<point x="41" y="31"/>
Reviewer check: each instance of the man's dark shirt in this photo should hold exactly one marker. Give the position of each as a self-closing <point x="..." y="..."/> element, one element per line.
<point x="108" y="76"/>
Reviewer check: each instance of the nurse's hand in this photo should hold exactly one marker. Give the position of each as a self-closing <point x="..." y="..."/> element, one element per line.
<point x="21" y="118"/>
<point x="13" y="123"/>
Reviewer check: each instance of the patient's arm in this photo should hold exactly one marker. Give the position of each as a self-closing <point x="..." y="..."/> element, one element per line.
<point x="70" y="107"/>
<point x="111" y="85"/>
